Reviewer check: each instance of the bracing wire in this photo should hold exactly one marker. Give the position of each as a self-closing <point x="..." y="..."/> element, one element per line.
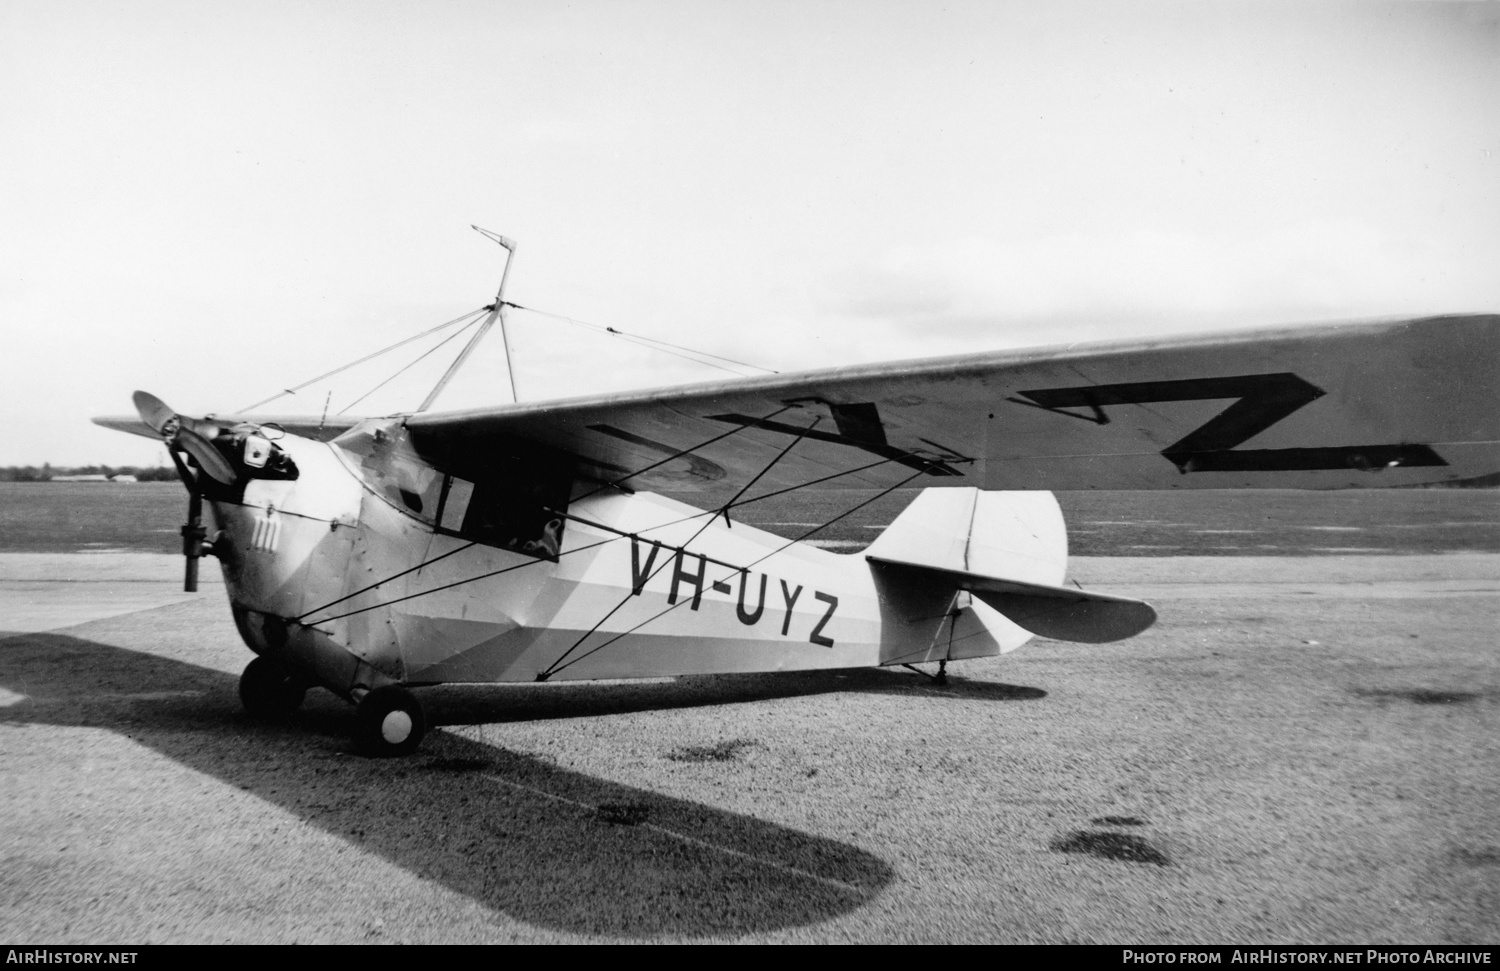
<point x="651" y="342"/>
<point x="368" y="357"/>
<point x="556" y="667"/>
<point x="455" y="583"/>
<point x="614" y="483"/>
<point x="607" y="485"/>
<point x="557" y="664"/>
<point x="365" y="589"/>
<point x="430" y="351"/>
<point x="618" y="535"/>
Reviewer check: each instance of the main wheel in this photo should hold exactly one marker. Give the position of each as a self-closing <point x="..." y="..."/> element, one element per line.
<point x="389" y="721"/>
<point x="266" y="691"/>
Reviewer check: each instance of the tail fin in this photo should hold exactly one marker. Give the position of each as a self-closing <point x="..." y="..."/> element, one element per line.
<point x="1009" y="550"/>
<point x="1016" y="535"/>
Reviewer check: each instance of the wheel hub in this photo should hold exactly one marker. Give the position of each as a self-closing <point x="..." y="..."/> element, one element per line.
<point x="395" y="728"/>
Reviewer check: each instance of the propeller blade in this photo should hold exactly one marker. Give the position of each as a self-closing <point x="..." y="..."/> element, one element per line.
<point x="209" y="460"/>
<point x="184" y="434"/>
<point x="153" y="411"/>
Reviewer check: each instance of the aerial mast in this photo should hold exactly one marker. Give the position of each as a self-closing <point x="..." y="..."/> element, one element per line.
<point x="497" y="312"/>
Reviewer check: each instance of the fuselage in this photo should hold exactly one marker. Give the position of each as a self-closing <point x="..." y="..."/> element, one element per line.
<point x="370" y="567"/>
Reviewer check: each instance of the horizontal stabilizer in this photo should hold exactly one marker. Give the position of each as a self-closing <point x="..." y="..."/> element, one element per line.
<point x="1061" y="613"/>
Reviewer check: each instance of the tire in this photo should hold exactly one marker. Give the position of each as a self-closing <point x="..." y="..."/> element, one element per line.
<point x="389" y="722"/>
<point x="267" y="692"/>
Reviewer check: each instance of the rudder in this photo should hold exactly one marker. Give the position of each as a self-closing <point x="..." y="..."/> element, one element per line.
<point x="1017" y="535"/>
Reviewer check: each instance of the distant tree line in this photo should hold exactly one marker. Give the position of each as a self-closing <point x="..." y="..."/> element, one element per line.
<point x="165" y="473"/>
<point x="34" y="473"/>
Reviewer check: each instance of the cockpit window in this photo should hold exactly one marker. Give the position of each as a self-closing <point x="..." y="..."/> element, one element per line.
<point x="514" y="497"/>
<point x="513" y="514"/>
<point x="389" y="466"/>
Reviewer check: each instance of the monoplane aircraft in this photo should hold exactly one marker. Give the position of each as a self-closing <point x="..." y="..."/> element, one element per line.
<point x="524" y="541"/>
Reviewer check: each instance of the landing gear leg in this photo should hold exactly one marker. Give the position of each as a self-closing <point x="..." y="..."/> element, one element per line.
<point x="266" y="691"/>
<point x="942" y="672"/>
<point x="389" y="722"/>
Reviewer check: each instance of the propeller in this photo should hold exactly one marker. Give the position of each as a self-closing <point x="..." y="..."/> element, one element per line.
<point x="181" y="432"/>
<point x="184" y="434"/>
<point x="208" y="458"/>
<point x="153" y="411"/>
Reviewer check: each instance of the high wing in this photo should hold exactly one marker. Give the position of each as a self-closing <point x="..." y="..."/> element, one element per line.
<point x="1394" y="403"/>
<point x="319" y="429"/>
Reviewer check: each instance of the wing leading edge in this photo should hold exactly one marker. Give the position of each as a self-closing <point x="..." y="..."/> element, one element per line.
<point x="1383" y="404"/>
<point x="320" y="429"/>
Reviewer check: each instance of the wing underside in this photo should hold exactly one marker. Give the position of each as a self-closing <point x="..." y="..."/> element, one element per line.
<point x="1339" y="406"/>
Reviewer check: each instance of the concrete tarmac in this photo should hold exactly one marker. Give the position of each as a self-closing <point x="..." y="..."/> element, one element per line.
<point x="1301" y="750"/>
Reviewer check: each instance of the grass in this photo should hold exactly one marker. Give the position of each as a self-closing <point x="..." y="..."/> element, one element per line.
<point x="61" y="517"/>
<point x="722" y="752"/>
<point x="70" y="517"/>
<point x="1269" y="522"/>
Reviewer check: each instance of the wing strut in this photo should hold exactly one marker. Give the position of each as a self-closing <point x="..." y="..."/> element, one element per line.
<point x="497" y="312"/>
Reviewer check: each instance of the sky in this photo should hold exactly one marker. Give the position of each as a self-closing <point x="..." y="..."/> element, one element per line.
<point x="214" y="202"/>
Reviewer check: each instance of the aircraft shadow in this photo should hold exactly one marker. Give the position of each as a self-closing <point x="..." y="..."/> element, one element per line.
<point x="456" y="704"/>
<point x="544" y="845"/>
